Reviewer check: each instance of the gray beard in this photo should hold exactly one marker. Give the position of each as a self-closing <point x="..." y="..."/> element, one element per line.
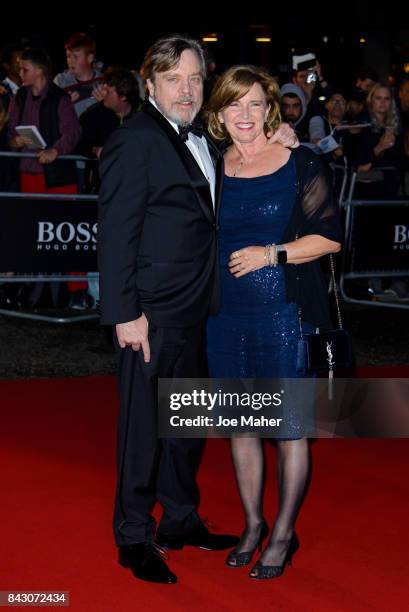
<point x="179" y="122"/>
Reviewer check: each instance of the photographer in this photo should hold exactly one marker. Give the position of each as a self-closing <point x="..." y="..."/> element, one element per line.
<point x="307" y="74"/>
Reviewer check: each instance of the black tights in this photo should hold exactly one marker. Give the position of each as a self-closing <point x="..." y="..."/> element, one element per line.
<point x="293" y="464"/>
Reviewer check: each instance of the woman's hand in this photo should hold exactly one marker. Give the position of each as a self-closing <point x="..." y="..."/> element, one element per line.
<point x="386" y="142"/>
<point x="247" y="260"/>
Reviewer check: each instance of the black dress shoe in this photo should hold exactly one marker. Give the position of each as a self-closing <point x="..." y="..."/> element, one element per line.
<point x="145" y="559"/>
<point x="201" y="538"/>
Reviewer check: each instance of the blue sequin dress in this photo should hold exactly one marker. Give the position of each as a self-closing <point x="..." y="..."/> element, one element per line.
<point x="256" y="332"/>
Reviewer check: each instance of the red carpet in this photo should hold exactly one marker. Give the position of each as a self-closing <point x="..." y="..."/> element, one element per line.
<point x="58" y="452"/>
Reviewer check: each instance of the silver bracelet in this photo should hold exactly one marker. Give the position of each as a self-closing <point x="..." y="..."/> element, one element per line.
<point x="271" y="260"/>
<point x="275" y="256"/>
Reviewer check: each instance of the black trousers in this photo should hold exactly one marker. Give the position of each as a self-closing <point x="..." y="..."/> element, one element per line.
<point x="149" y="468"/>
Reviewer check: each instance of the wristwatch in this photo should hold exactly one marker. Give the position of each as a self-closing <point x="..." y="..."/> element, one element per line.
<point x="281" y="254"/>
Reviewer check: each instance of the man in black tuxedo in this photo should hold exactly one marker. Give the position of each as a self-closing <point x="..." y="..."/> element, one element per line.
<point x="158" y="210"/>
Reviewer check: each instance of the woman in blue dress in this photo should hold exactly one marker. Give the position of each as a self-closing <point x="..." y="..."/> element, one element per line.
<point x="277" y="218"/>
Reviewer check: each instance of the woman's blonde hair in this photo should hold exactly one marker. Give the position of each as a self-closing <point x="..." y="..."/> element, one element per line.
<point x="233" y="85"/>
<point x="392" y="118"/>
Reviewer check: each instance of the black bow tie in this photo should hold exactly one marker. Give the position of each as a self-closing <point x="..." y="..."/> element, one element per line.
<point x="195" y="128"/>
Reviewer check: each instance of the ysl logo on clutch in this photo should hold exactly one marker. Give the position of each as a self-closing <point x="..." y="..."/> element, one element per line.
<point x="331" y="364"/>
<point x="330" y="357"/>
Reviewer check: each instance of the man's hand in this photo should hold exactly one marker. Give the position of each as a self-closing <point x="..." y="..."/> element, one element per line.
<point x="285" y="136"/>
<point x="75" y="96"/>
<point x="135" y="334"/>
<point x="364" y="167"/>
<point x="18" y="142"/>
<point x="355" y="130"/>
<point x="47" y="156"/>
<point x="97" y="151"/>
<point x="247" y="260"/>
<point x="99" y="92"/>
<point x="318" y="70"/>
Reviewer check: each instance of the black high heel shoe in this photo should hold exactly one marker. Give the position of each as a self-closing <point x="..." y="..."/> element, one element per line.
<point x="240" y="559"/>
<point x="274" y="571"/>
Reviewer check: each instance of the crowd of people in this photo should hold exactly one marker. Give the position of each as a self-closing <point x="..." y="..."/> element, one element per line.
<point x="365" y="129"/>
<point x="75" y="112"/>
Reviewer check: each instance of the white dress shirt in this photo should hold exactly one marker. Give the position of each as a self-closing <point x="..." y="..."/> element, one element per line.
<point x="197" y="145"/>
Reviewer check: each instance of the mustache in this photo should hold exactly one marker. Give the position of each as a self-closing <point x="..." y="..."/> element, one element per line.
<point x="186" y="99"/>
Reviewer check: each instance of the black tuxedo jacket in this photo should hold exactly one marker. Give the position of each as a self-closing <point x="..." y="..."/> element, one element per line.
<point x="157" y="229"/>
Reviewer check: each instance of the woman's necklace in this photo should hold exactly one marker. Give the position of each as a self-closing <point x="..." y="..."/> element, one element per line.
<point x="238" y="167"/>
<point x="241" y="164"/>
<point x="246" y="160"/>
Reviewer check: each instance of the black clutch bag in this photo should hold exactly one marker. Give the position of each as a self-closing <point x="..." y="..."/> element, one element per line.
<point x="324" y="351"/>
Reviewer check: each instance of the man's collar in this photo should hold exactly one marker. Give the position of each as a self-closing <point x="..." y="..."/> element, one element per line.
<point x="43" y="92"/>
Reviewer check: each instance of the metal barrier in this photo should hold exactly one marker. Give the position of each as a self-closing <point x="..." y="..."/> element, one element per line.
<point x="356" y="177"/>
<point x="53" y="277"/>
<point x="343" y="170"/>
<point x="370" y="250"/>
<point x="349" y="258"/>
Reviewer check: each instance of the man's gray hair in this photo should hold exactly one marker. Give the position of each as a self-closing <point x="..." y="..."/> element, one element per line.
<point x="165" y="53"/>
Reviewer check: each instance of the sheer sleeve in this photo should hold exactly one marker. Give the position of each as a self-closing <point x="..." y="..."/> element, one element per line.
<point x="321" y="215"/>
<point x="315" y="212"/>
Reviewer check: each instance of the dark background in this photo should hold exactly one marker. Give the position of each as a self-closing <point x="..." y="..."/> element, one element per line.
<point x="123" y="32"/>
